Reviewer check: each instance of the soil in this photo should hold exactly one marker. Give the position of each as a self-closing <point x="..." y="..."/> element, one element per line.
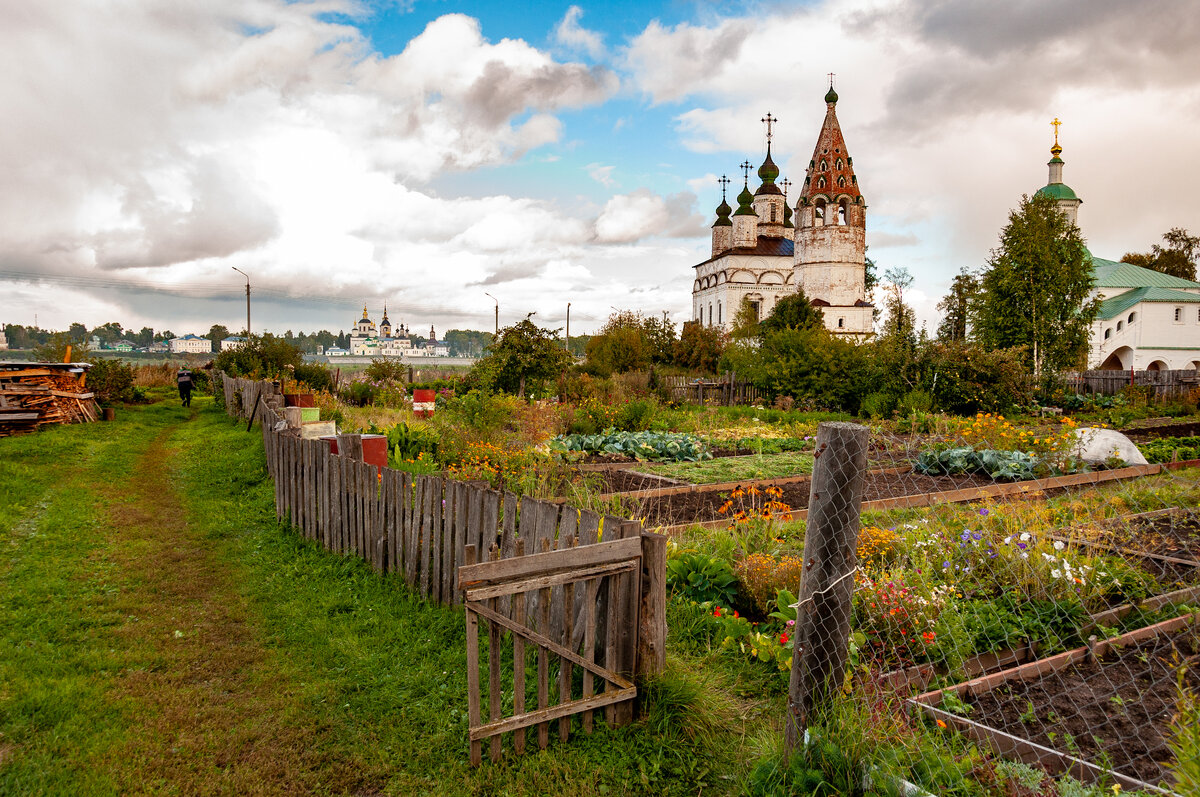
<point x="626" y="480"/>
<point x="697" y="507"/>
<point x="1176" y="535"/>
<point x="1114" y="712"/>
<point x="1179" y="429"/>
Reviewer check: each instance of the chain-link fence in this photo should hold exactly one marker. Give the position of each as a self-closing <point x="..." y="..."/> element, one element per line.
<point x="972" y="607"/>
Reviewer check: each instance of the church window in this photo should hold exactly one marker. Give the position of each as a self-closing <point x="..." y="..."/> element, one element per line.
<point x="839" y="164"/>
<point x="842" y="212"/>
<point x="824" y="165"/>
<point x="819" y="212"/>
<point x="718" y="312"/>
<point x="710" y="315"/>
<point x="841" y="182"/>
<point x="772" y="211"/>
<point x="841" y="323"/>
<point x="1178" y="314"/>
<point x="1120" y="325"/>
<point x="1132" y="316"/>
<point x="820" y="182"/>
<point x="1108" y="333"/>
<point x="757" y="307"/>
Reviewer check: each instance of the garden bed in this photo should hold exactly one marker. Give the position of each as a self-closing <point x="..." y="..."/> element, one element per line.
<point x="1176" y="429"/>
<point x="1097" y="708"/>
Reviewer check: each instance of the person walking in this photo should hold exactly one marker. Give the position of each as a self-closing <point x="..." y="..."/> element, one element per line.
<point x="185" y="386"/>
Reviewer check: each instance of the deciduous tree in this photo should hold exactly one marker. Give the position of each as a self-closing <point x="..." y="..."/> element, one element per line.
<point x="1034" y="290"/>
<point x="1177" y="258"/>
<point x="955" y="306"/>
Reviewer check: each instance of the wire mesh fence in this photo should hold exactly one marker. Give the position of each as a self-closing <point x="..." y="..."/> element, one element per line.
<point x="968" y="608"/>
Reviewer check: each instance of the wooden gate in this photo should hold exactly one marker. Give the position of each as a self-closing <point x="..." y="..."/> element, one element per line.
<point x="576" y="607"/>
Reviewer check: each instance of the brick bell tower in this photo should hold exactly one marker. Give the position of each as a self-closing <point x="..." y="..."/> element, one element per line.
<point x="831" y="226"/>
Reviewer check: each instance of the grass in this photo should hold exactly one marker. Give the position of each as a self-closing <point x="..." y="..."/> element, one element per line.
<point x="732" y="469"/>
<point x="160" y="631"/>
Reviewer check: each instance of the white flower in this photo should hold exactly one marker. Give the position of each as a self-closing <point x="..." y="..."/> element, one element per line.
<point x="1059" y="545"/>
<point x="1056" y="573"/>
<point x="1047" y="557"/>
<point x="1025" y="537"/>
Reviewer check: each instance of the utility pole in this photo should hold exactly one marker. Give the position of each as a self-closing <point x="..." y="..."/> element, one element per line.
<point x="568" y="327"/>
<point x="497" y="301"/>
<point x="247" y="276"/>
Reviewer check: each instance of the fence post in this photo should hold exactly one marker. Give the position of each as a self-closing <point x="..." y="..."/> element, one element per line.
<point x="652" y="609"/>
<point x="822" y="628"/>
<point x="350" y="446"/>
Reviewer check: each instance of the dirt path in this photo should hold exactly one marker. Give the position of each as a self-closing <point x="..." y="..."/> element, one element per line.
<point x="215" y="712"/>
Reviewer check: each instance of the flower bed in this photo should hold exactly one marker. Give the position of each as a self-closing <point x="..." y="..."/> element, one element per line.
<point x="1096" y="710"/>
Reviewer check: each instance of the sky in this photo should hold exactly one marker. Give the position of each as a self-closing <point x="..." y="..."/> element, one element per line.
<point x="445" y="157"/>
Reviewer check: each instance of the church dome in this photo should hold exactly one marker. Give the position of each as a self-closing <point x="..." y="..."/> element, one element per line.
<point x="768" y="171"/>
<point x="745" y="204"/>
<point x="1057" y="191"/>
<point x="723" y="211"/>
<point x="831" y="95"/>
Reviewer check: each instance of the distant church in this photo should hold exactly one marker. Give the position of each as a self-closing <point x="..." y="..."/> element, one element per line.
<point x="760" y="255"/>
<point x="1147" y="320"/>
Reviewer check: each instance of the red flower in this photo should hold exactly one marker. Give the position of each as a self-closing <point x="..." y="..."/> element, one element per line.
<point x="717" y="612"/>
<point x="783" y="638"/>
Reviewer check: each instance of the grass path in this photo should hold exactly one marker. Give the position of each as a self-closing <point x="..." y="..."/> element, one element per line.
<point x="160" y="632"/>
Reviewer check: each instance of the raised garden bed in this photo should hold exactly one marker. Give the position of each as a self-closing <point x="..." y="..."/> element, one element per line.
<point x="1166" y="542"/>
<point x="1097" y="711"/>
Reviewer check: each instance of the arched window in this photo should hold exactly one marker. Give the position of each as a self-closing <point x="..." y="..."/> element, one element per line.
<point x="710" y="314"/>
<point x="843" y="212"/>
<point x="820" y="182"/>
<point x="841" y="323"/>
<point x="1132" y="316"/>
<point x="842" y="182"/>
<point x="772" y="211"/>
<point x="839" y="164"/>
<point x="1108" y="333"/>
<point x="718" y="312"/>
<point x="1178" y="314"/>
<point x="1120" y="325"/>
<point x="819" y="212"/>
<point x="824" y="165"/>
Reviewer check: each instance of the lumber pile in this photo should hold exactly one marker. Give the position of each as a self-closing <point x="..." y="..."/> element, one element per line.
<point x="37" y="394"/>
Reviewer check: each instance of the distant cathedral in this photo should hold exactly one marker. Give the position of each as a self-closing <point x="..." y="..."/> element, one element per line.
<point x="759" y="255"/>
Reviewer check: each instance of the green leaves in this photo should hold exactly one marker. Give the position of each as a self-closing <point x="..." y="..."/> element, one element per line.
<point x="656" y="446"/>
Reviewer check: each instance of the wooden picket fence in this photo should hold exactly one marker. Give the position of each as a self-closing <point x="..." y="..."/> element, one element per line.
<point x="1165" y="384"/>
<point x="725" y="391"/>
<point x="570" y="587"/>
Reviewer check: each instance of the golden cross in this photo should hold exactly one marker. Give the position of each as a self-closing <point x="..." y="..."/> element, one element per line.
<point x="1055" y="124"/>
<point x="769" y="120"/>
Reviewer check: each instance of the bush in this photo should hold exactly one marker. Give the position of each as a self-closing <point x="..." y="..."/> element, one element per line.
<point x="915" y="401"/>
<point x="111" y="380"/>
<point x="314" y="376"/>
<point x="763" y="576"/>
<point x="360" y="394"/>
<point x="260" y="357"/>
<point x="877" y="405"/>
<point x="699" y="577"/>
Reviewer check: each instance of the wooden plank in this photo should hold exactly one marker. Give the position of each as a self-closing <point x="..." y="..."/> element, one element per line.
<point x="473" y="671"/>
<point x="589" y="644"/>
<point x="556" y="579"/>
<point x="518" y="615"/>
<point x="652" y="616"/>
<point x="475" y="535"/>
<point x="608" y="612"/>
<point x="565" y="669"/>
<point x="543" y="662"/>
<point x="426" y="526"/>
<point x="457" y="537"/>
<point x="629" y="590"/>
<point x="494" y="683"/>
<point x="546" y="513"/>
<point x="440" y="533"/>
<point x="489" y="523"/>
<point x="546" y="563"/>
<point x="522" y="721"/>
<point x="412" y="510"/>
<point x="508" y="536"/>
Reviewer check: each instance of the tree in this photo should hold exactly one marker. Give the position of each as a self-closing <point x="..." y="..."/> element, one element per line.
<point x="1034" y="291"/>
<point x="901" y="321"/>
<point x="78" y="332"/>
<point x="699" y="348"/>
<point x="523" y="356"/>
<point x="217" y="333"/>
<point x="261" y="356"/>
<point x="630" y="341"/>
<point x="108" y="333"/>
<point x="54" y="349"/>
<point x="955" y="306"/>
<point x="793" y="311"/>
<point x="466" y="342"/>
<point x="745" y="321"/>
<point x="1177" y="258"/>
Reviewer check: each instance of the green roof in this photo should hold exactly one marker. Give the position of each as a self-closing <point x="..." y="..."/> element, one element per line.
<point x="1112" y="274"/>
<point x="1117" y="305"/>
<point x="1057" y="191"/>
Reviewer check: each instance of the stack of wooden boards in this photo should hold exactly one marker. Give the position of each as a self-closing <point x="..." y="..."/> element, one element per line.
<point x="36" y="394"/>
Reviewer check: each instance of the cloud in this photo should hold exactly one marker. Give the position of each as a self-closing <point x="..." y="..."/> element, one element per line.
<point x="569" y="33"/>
<point x="670" y="63"/>
<point x="601" y="174"/>
<point x="627" y="218"/>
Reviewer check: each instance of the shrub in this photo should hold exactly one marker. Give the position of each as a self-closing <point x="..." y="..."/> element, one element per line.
<point x="915" y="401"/>
<point x="699" y="577"/>
<point x="111" y="380"/>
<point x="877" y="405"/>
<point x="314" y="376"/>
<point x="763" y="576"/>
<point x="260" y="357"/>
<point x="636" y="416"/>
<point x="386" y="370"/>
<point x="360" y="394"/>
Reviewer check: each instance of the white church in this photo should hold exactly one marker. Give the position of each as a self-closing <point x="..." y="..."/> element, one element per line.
<point x="760" y="255"/>
<point x="1148" y="321"/>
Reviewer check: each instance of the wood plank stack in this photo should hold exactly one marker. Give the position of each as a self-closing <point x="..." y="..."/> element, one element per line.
<point x="37" y="394"/>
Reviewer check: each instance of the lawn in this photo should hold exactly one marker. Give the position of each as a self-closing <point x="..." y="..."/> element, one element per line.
<point x="160" y="631"/>
<point x="732" y="469"/>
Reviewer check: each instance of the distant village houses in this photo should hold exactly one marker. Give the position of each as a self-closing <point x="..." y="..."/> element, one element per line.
<point x="191" y="344"/>
<point x="384" y="340"/>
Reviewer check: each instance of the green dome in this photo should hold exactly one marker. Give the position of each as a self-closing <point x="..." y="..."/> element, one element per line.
<point x="723" y="211"/>
<point x="768" y="171"/>
<point x="831" y="95"/>
<point x="745" y="204"/>
<point x="787" y="216"/>
<point x="1057" y="191"/>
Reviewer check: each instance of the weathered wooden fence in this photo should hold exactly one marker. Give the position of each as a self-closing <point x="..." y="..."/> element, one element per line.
<point x="579" y="589"/>
<point x="724" y="391"/>
<point x="1164" y="383"/>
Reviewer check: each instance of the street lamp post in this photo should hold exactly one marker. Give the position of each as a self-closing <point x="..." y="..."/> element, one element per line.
<point x="497" y="301"/>
<point x="568" y="327"/>
<point x="247" y="276"/>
